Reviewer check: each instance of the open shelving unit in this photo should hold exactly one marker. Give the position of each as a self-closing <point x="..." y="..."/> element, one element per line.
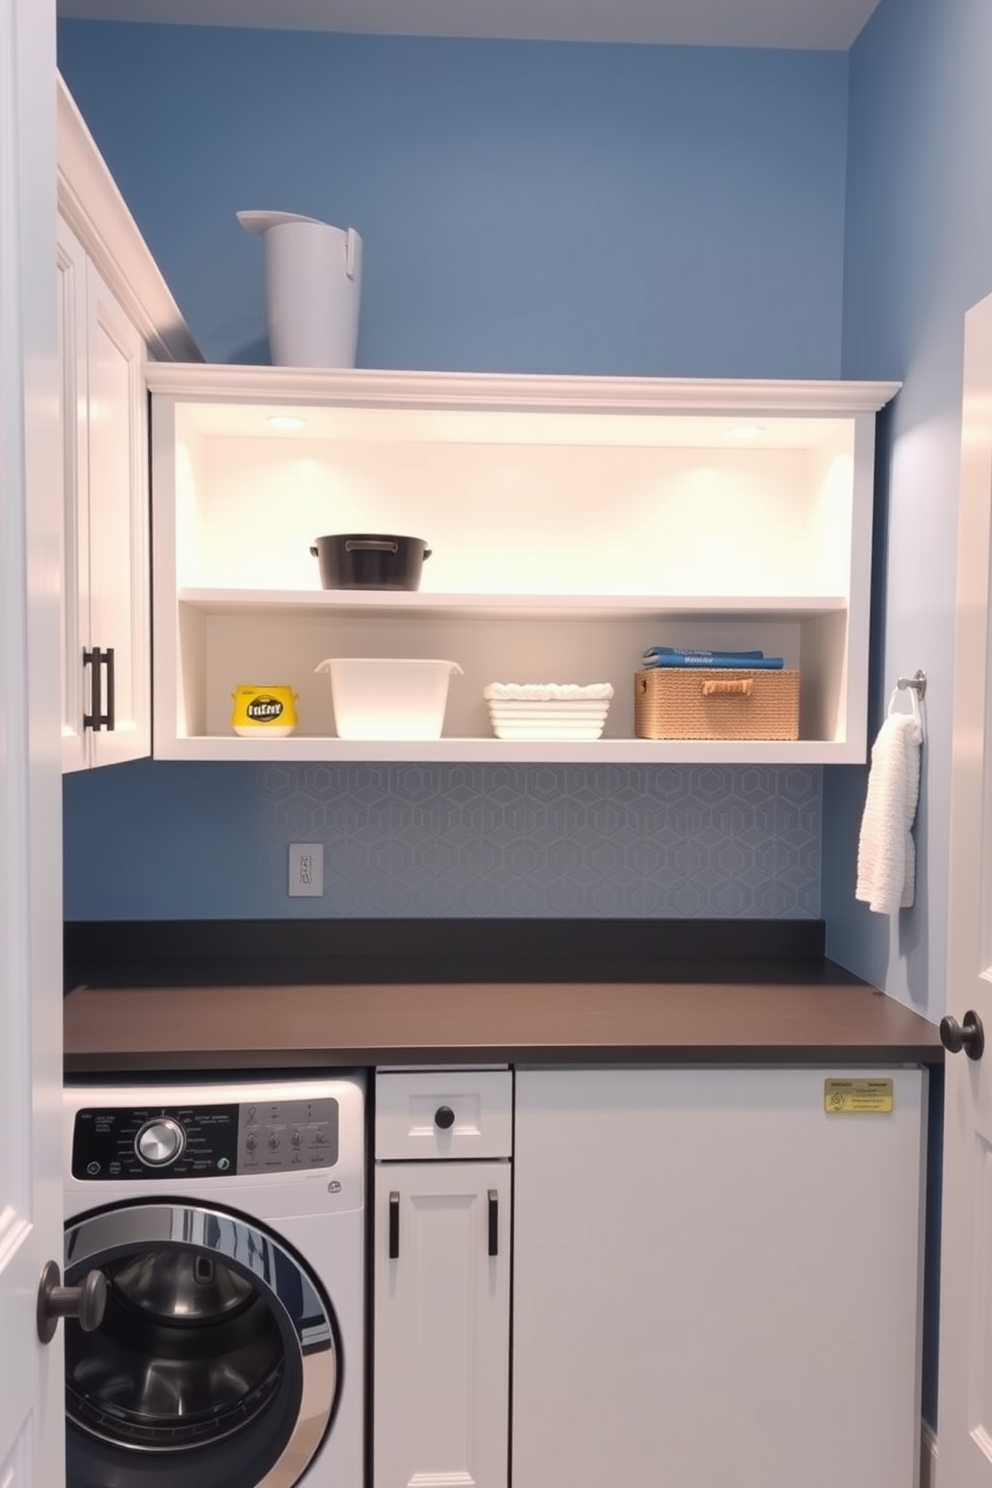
<point x="573" y="522"/>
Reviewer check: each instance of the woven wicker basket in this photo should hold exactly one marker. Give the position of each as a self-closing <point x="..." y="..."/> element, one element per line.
<point x="714" y="703"/>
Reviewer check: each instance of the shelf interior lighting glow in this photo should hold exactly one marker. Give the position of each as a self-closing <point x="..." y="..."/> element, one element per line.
<point x="745" y="432"/>
<point x="286" y="421"/>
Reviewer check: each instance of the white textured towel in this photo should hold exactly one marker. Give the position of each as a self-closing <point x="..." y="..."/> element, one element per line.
<point x="886" y="851"/>
<point x="545" y="692"/>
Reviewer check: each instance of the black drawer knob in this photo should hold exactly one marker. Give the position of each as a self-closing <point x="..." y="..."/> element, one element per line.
<point x="444" y="1117"/>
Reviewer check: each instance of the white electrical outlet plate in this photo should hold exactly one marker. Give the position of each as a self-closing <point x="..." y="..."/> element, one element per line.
<point x="306" y="869"/>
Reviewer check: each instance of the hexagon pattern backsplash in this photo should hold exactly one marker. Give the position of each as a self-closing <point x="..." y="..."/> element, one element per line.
<point x="554" y="840"/>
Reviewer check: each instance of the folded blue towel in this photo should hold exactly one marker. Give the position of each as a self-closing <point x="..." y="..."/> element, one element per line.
<point x="726" y="660"/>
<point x="654" y="651"/>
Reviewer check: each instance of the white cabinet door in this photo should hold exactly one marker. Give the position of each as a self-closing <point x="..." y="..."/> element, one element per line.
<point x="715" y="1280"/>
<point x="105" y="552"/>
<point x="75" y="586"/>
<point x="119" y="520"/>
<point x="441" y="1370"/>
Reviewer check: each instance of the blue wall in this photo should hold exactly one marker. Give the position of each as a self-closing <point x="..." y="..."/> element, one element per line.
<point x="524" y="207"/>
<point x="918" y="254"/>
<point x="532" y="207"/>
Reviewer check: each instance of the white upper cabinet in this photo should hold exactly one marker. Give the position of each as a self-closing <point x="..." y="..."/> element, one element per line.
<point x="106" y="690"/>
<point x="572" y="523"/>
<point x="114" y="310"/>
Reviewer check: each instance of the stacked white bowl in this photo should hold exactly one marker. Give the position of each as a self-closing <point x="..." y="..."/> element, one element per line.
<point x="548" y="710"/>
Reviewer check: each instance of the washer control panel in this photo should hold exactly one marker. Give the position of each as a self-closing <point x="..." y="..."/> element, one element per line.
<point x="205" y="1141"/>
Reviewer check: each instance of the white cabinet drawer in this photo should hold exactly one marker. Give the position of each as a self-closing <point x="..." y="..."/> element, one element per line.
<point x="446" y="1113"/>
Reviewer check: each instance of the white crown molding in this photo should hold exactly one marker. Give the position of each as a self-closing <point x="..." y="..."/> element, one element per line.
<point x="92" y="205"/>
<point x="805" y="24"/>
<point x="508" y="391"/>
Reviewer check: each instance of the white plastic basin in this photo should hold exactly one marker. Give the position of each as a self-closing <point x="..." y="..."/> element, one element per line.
<point x="386" y="698"/>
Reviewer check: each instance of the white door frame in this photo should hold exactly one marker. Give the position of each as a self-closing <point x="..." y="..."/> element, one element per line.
<point x="32" y="1408"/>
<point x="965" y="1403"/>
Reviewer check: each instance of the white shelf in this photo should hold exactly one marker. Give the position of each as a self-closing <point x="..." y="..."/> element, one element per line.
<point x="302" y="749"/>
<point x="629" y="606"/>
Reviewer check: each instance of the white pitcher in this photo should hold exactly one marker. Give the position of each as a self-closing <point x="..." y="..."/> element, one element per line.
<point x="313" y="283"/>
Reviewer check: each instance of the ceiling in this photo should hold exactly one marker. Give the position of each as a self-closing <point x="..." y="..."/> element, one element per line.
<point x="816" y="24"/>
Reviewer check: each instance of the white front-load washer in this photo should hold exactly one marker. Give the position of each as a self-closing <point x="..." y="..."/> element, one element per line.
<point x="229" y="1222"/>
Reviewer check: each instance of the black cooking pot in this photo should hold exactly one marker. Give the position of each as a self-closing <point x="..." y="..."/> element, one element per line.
<point x="370" y="560"/>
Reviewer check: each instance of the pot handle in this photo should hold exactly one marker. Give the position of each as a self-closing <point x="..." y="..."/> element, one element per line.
<point x="427" y="552"/>
<point x="314" y="552"/>
<point x="368" y="545"/>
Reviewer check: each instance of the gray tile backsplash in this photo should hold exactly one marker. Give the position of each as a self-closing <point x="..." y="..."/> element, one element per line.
<point x="549" y="840"/>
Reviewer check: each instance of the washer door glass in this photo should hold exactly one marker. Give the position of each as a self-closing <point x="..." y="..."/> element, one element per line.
<point x="216" y="1346"/>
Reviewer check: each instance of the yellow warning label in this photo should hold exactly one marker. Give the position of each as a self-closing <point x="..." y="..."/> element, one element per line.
<point x="847" y="1097"/>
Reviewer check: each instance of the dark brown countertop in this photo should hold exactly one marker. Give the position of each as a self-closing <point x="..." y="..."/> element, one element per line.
<point x="799" y="1012"/>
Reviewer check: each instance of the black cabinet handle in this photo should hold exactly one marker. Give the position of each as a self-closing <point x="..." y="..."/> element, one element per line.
<point x="493" y="1222"/>
<point x="394" y="1226"/>
<point x="110" y="715"/>
<point x="93" y="719"/>
<point x="99" y="717"/>
<point x="444" y="1117"/>
<point x="968" y="1035"/>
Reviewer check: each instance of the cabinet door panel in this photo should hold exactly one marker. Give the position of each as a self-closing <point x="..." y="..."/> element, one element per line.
<point x="118" y="501"/>
<point x="715" y="1281"/>
<point x="441" y="1326"/>
<point x="75" y="586"/>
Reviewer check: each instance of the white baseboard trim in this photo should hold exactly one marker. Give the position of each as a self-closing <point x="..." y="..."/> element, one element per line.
<point x="928" y="1457"/>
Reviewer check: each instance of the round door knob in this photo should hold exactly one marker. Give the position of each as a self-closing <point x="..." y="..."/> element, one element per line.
<point x="159" y="1141"/>
<point x="444" y="1117"/>
<point x="85" y="1303"/>
<point x="968" y="1035"/>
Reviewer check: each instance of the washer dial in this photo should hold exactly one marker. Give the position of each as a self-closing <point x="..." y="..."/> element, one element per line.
<point x="159" y="1141"/>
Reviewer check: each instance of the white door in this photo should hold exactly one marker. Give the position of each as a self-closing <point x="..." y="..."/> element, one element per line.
<point x="965" y="1403"/>
<point x="31" y="1382"/>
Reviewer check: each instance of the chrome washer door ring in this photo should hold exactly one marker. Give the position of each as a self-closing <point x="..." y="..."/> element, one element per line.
<point x="190" y="1275"/>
